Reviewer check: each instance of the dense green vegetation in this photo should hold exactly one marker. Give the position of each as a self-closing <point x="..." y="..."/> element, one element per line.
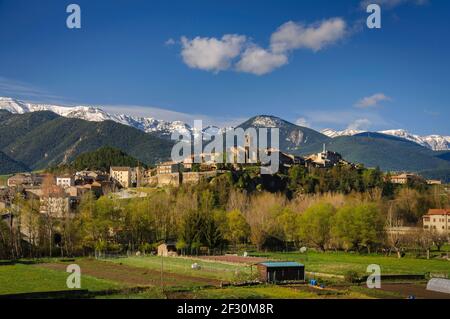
<point x="42" y="139"/>
<point x="228" y="213"/>
<point x="101" y="160"/>
<point x="8" y="165"/>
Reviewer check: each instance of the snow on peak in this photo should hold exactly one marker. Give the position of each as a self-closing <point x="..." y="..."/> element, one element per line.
<point x="166" y="128"/>
<point x="95" y="114"/>
<point x="333" y="133"/>
<point x="434" y="142"/>
<point x="267" y="121"/>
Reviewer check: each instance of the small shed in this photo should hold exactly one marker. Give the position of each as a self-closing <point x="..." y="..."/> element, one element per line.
<point x="167" y="250"/>
<point x="281" y="271"/>
<point x="439" y="285"/>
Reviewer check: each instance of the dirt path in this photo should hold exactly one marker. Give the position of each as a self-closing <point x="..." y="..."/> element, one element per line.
<point x="131" y="276"/>
<point x="234" y="259"/>
<point x="417" y="290"/>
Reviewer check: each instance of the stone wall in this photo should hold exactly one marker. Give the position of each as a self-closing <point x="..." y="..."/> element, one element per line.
<point x="195" y="177"/>
<point x="172" y="179"/>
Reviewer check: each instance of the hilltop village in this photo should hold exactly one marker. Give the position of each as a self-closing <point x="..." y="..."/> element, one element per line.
<point x="62" y="192"/>
<point x="65" y="190"/>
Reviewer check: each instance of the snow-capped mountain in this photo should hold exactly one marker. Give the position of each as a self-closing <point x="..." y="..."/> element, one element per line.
<point x="165" y="128"/>
<point x="95" y="114"/>
<point x="333" y="133"/>
<point x="434" y="142"/>
<point x="267" y="121"/>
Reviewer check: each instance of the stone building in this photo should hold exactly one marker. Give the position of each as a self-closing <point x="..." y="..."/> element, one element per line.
<point x="125" y="176"/>
<point x="437" y="220"/>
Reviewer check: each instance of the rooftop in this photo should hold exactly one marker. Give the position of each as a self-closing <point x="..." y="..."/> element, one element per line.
<point x="277" y="264"/>
<point x="445" y="211"/>
<point x="168" y="163"/>
<point x="120" y="168"/>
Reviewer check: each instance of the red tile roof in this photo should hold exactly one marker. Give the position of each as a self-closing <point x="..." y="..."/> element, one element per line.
<point x="445" y="211"/>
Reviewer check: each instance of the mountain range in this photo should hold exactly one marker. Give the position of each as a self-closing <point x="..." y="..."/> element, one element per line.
<point x="165" y="128"/>
<point x="95" y="114"/>
<point x="433" y="142"/>
<point x="37" y="140"/>
<point x="35" y="136"/>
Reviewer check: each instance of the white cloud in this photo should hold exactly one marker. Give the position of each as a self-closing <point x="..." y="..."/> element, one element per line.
<point x="317" y="36"/>
<point x="260" y="61"/>
<point x="360" y="124"/>
<point x="372" y="100"/>
<point x="211" y="54"/>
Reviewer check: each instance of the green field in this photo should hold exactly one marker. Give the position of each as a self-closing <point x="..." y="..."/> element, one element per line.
<point x="24" y="278"/>
<point x="339" y="263"/>
<point x="140" y="277"/>
<point x="209" y="269"/>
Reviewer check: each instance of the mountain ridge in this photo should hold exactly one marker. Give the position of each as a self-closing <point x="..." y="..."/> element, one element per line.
<point x="166" y="128"/>
<point x="433" y="142"/>
<point x="42" y="139"/>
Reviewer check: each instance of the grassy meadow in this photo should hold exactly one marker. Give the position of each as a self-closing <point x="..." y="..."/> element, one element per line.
<point x="338" y="263"/>
<point x="140" y="277"/>
<point x="26" y="278"/>
<point x="181" y="265"/>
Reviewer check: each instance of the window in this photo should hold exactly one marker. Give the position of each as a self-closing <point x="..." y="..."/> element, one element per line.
<point x="427" y="219"/>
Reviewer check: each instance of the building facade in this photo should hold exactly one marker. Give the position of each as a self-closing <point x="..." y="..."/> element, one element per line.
<point x="65" y="181"/>
<point x="437" y="220"/>
<point x="122" y="175"/>
<point x="168" y="168"/>
<point x="406" y="178"/>
<point x="281" y="271"/>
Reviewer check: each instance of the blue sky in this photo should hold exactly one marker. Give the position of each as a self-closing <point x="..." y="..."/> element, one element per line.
<point x="311" y="62"/>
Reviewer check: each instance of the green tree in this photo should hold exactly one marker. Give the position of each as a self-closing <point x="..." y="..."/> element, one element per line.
<point x="238" y="230"/>
<point x="358" y="226"/>
<point x="315" y="225"/>
<point x="212" y="229"/>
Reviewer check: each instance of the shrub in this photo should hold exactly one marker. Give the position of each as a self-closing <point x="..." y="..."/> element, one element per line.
<point x="351" y="276"/>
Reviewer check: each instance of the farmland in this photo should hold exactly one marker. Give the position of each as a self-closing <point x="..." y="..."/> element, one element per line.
<point x="141" y="277"/>
<point x="27" y="278"/>
<point x="212" y="270"/>
<point x="339" y="263"/>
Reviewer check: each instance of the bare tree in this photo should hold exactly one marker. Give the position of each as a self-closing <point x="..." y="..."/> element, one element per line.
<point x="394" y="236"/>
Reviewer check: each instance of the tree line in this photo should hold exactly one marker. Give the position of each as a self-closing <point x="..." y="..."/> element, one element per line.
<point x="219" y="216"/>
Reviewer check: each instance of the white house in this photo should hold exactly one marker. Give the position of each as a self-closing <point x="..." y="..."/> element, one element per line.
<point x="65" y="181"/>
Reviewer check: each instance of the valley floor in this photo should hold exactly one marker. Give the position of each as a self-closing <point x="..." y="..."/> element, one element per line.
<point x="141" y="277"/>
